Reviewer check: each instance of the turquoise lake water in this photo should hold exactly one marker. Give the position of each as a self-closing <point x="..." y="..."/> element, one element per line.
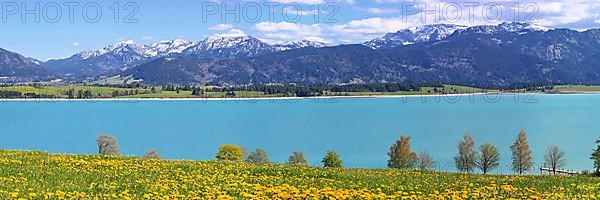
<point x="360" y="129"/>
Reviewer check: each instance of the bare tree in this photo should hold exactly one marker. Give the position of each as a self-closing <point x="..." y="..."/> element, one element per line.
<point x="152" y="154"/>
<point x="521" y="154"/>
<point x="465" y="160"/>
<point x="425" y="161"/>
<point x="258" y="157"/>
<point x="401" y="157"/>
<point x="489" y="158"/>
<point x="297" y="158"/>
<point x="107" y="145"/>
<point x="554" y="158"/>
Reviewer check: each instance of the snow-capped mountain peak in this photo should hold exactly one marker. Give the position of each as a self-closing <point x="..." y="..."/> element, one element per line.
<point x="230" y="33"/>
<point x="426" y="33"/>
<point x="228" y="46"/>
<point x="124" y="43"/>
<point x="509" y="27"/>
<point x="167" y="47"/>
<point x="127" y="54"/>
<point x="434" y="32"/>
<point x="127" y="46"/>
<point x="215" y="42"/>
<point x="159" y="49"/>
<point x="437" y="32"/>
<point x="298" y="44"/>
<point x="521" y="26"/>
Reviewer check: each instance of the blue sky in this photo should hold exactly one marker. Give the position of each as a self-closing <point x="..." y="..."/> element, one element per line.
<point x="339" y="21"/>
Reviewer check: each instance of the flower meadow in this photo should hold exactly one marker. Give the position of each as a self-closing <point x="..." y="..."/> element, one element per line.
<point x="39" y="175"/>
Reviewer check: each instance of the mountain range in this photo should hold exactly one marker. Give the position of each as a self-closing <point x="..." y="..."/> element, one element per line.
<point x="484" y="56"/>
<point x="127" y="54"/>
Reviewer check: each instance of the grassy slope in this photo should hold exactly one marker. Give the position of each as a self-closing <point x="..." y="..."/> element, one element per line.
<point x="578" y="88"/>
<point x="60" y="91"/>
<point x="37" y="175"/>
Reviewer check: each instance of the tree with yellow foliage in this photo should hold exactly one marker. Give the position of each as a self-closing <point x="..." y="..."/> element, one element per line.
<point x="401" y="157"/>
<point x="229" y="152"/>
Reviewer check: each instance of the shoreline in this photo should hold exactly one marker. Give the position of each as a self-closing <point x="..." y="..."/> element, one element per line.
<point x="290" y="98"/>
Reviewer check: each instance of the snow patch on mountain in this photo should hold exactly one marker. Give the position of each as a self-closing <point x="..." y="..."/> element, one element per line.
<point x="437" y="32"/>
<point x="426" y="33"/>
<point x="298" y="44"/>
<point x="167" y="47"/>
<point x="130" y="48"/>
<point x="521" y="26"/>
<point x="509" y="27"/>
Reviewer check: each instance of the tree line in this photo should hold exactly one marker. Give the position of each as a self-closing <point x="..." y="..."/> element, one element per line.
<point x="306" y="90"/>
<point x="19" y="95"/>
<point x="468" y="159"/>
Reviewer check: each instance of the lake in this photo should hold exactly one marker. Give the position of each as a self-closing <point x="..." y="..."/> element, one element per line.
<point x="360" y="129"/>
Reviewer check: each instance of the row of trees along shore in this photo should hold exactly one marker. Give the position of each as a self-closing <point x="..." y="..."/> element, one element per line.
<point x="230" y="91"/>
<point x="468" y="159"/>
<point x="290" y="89"/>
<point x="310" y="90"/>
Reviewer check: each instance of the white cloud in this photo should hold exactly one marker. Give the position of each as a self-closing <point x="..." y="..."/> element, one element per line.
<point x="231" y="33"/>
<point x="146" y="37"/>
<point x="550" y="7"/>
<point x="360" y="30"/>
<point x="292" y="11"/>
<point x="365" y="29"/>
<point x="563" y="13"/>
<point x="312" y="2"/>
<point x="381" y="11"/>
<point x="549" y="12"/>
<point x="286" y="31"/>
<point x="220" y="27"/>
<point x="281" y="26"/>
<point x="299" y="1"/>
<point x="75" y="44"/>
